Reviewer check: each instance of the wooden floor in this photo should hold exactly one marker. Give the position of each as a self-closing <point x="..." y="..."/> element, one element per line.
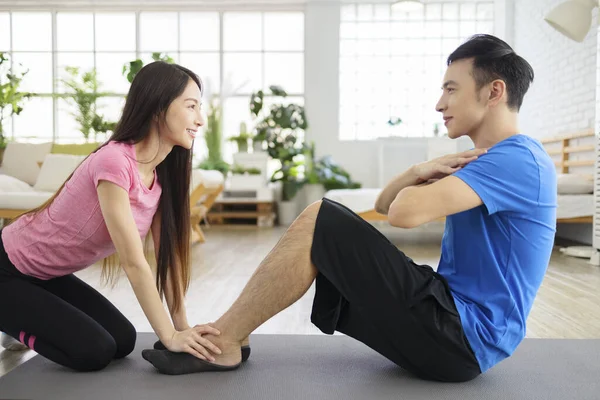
<point x="568" y="304"/>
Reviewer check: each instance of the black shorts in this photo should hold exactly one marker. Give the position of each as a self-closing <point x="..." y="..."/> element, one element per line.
<point x="369" y="290"/>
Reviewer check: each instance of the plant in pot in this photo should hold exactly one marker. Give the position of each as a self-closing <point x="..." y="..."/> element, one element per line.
<point x="246" y="178"/>
<point x="259" y="139"/>
<point x="274" y="124"/>
<point x="131" y="69"/>
<point x="242" y="139"/>
<point x="313" y="183"/>
<point x="11" y="99"/>
<point x="322" y="175"/>
<point x="213" y="135"/>
<point x="282" y="125"/>
<point x="333" y="176"/>
<point x="82" y="92"/>
<point x="290" y="176"/>
<point x="100" y="125"/>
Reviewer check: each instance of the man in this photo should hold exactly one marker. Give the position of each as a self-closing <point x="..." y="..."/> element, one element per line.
<point x="449" y="325"/>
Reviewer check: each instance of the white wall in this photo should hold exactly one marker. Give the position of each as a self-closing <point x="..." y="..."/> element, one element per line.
<point x="360" y="158"/>
<point x="562" y="98"/>
<point x="322" y="23"/>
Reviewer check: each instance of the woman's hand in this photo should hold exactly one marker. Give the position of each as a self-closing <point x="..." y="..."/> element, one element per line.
<point x="446" y="165"/>
<point x="191" y="341"/>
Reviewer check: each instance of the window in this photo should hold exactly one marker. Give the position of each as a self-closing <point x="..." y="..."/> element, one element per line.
<point x="260" y="49"/>
<point x="392" y="63"/>
<point x="235" y="53"/>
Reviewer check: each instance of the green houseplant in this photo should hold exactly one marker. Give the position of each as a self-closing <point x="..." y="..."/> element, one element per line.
<point x="83" y="92"/>
<point x="11" y="99"/>
<point x="324" y="174"/>
<point x="282" y="127"/>
<point x="131" y="69"/>
<point x="213" y="135"/>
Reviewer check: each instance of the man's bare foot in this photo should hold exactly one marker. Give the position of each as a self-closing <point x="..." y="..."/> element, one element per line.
<point x="230" y="350"/>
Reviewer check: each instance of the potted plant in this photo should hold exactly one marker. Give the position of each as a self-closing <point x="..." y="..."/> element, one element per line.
<point x="313" y="183"/>
<point x="83" y="93"/>
<point x="130" y="70"/>
<point x="213" y="135"/>
<point x="323" y="175"/>
<point x="246" y="178"/>
<point x="281" y="125"/>
<point x="290" y="178"/>
<point x="11" y="99"/>
<point x="242" y="139"/>
<point x="100" y="125"/>
<point x="258" y="141"/>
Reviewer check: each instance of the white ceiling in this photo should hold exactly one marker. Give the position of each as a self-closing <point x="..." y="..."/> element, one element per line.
<point x="171" y="4"/>
<point x="168" y="3"/>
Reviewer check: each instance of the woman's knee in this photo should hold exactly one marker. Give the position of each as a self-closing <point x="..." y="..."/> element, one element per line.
<point x="94" y="356"/>
<point x="125" y="341"/>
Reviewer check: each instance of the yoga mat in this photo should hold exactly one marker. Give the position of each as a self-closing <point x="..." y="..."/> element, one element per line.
<point x="318" y="367"/>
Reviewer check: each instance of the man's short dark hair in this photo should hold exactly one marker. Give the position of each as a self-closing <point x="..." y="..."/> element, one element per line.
<point x="495" y="59"/>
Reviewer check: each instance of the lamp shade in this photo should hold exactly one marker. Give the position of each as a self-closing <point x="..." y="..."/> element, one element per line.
<point x="572" y="18"/>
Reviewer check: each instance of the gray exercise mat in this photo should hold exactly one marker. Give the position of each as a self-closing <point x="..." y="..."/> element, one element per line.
<point x="318" y="367"/>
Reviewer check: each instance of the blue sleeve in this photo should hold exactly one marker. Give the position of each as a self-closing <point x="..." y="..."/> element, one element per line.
<point x="506" y="178"/>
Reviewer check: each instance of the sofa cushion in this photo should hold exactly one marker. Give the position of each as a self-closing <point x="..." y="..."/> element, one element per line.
<point x="78" y="149"/>
<point x="23" y="200"/>
<point x="55" y="171"/>
<point x="209" y="178"/>
<point x="11" y="184"/>
<point x="21" y="160"/>
<point x="574" y="184"/>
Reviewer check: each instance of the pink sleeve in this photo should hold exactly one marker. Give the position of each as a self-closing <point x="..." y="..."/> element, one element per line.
<point x="111" y="164"/>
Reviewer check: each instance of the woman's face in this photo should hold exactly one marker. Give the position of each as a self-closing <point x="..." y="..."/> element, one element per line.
<point x="184" y="117"/>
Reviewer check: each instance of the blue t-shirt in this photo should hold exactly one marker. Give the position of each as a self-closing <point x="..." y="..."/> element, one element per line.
<point x="495" y="256"/>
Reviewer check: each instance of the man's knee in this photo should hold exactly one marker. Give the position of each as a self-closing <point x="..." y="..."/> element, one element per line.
<point x="313" y="209"/>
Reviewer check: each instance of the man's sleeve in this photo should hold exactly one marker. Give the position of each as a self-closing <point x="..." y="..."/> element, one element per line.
<point x="506" y="178"/>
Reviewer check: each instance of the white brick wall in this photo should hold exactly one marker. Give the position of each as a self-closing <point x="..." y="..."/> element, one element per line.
<point x="598" y="82"/>
<point x="562" y="98"/>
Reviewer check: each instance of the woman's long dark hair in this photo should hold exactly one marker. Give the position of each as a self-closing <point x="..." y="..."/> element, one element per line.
<point x="153" y="89"/>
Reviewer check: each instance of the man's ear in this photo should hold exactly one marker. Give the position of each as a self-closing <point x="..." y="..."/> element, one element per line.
<point x="497" y="90"/>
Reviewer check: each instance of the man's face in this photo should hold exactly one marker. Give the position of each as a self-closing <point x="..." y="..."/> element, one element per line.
<point x="462" y="106"/>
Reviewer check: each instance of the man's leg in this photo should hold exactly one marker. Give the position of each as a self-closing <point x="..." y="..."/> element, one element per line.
<point x="365" y="288"/>
<point x="282" y="278"/>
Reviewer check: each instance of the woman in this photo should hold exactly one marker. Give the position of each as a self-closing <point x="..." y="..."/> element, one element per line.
<point x="136" y="182"/>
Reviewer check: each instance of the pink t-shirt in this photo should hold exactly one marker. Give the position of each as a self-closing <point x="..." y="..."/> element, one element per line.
<point x="71" y="234"/>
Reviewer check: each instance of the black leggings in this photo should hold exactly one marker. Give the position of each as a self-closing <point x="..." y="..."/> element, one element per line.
<point x="62" y="319"/>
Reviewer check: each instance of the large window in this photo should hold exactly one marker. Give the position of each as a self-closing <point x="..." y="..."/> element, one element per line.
<point x="392" y="63"/>
<point x="235" y="53"/>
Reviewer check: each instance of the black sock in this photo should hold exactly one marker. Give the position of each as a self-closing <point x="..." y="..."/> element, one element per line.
<point x="170" y="363"/>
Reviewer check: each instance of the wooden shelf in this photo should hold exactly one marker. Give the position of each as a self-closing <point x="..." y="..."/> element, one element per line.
<point x="259" y="213"/>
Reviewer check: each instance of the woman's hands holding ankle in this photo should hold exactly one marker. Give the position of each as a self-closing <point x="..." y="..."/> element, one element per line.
<point x="191" y="341"/>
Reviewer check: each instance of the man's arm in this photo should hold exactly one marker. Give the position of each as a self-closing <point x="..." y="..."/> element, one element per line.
<point x="424" y="173"/>
<point x="415" y="206"/>
<point x="391" y="190"/>
<point x="179" y="318"/>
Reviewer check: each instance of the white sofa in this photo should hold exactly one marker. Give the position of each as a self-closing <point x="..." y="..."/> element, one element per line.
<point x="30" y="174"/>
